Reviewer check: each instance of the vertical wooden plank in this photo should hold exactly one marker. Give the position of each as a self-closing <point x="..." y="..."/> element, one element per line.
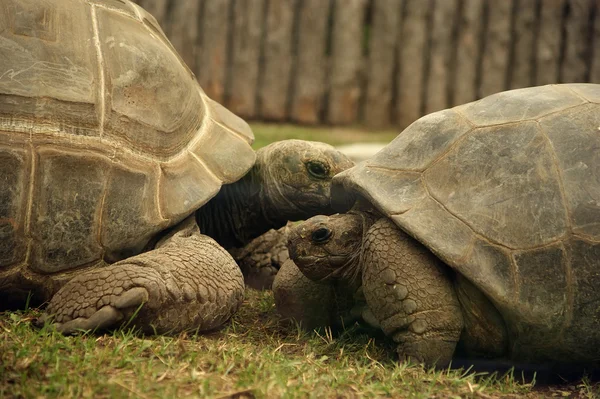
<point x="468" y="53"/>
<point x="521" y="70"/>
<point x="497" y="46"/>
<point x="158" y="9"/>
<point x="309" y="80"/>
<point x="380" y="70"/>
<point x="577" y="26"/>
<point x="548" y="42"/>
<point x="183" y="30"/>
<point x="346" y="59"/>
<point x="248" y="18"/>
<point x="212" y="51"/>
<point x="439" y="81"/>
<point x="275" y="74"/>
<point x="412" y="57"/>
<point x="595" y="62"/>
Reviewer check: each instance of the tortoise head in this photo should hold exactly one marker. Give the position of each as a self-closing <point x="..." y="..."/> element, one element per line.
<point x="328" y="247"/>
<point x="296" y="178"/>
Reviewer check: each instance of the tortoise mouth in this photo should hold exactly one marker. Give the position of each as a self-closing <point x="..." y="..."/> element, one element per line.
<point x="321" y="267"/>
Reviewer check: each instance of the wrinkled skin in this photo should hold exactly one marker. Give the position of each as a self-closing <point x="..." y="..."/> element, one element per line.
<point x="408" y="291"/>
<point x="262" y="258"/>
<point x="291" y="180"/>
<point x="328" y="248"/>
<point x="187" y="281"/>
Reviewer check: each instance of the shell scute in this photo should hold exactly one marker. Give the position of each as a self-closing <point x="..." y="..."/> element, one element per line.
<point x="130" y="211"/>
<point x="519" y="105"/>
<point x="575" y="138"/>
<point x="218" y="141"/>
<point x="581" y="331"/>
<point x="14" y="172"/>
<point x="185" y="184"/>
<point x="587" y="91"/>
<point x="395" y="191"/>
<point x="152" y="101"/>
<point x="48" y="80"/>
<point x="503" y="182"/>
<point x="447" y="236"/>
<point x="542" y="280"/>
<point x="490" y="268"/>
<point x="66" y="211"/>
<point x="420" y="144"/>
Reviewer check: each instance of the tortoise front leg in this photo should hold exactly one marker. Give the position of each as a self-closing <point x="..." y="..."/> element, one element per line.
<point x="410" y="294"/>
<point x="188" y="283"/>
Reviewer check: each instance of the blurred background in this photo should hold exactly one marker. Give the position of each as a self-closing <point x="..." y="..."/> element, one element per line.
<point x="376" y="63"/>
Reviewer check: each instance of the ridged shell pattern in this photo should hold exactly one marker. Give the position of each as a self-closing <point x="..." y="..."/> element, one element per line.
<point x="505" y="190"/>
<point x="106" y="138"/>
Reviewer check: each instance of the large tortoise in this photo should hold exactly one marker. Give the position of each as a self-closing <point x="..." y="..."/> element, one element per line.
<point x="478" y="225"/>
<point x="108" y="148"/>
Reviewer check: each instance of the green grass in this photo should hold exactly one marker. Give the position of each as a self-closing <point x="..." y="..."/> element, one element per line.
<point x="256" y="354"/>
<point x="266" y="133"/>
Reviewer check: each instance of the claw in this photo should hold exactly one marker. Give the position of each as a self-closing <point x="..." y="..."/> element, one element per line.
<point x="103" y="318"/>
<point x="133" y="297"/>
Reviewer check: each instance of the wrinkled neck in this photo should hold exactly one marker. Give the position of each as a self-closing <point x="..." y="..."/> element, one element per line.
<point x="351" y="272"/>
<point x="238" y="213"/>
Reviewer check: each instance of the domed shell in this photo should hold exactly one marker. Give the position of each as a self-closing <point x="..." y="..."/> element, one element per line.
<point x="106" y="138"/>
<point x="506" y="191"/>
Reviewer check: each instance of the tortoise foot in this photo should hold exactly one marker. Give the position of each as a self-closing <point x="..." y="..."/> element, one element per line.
<point x="93" y="317"/>
<point x="261" y="259"/>
<point x="106" y="298"/>
<point x="189" y="283"/>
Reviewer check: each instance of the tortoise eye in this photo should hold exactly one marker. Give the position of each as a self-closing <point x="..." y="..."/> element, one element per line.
<point x="321" y="235"/>
<point x="317" y="169"/>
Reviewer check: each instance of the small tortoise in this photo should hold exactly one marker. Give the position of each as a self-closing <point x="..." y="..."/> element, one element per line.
<point x="478" y="226"/>
<point x="109" y="148"/>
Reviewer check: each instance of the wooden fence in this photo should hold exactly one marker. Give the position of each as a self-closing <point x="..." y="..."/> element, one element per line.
<point x="377" y="62"/>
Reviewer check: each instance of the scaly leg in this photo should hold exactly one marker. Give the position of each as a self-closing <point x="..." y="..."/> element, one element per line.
<point x="188" y="283"/>
<point x="410" y="293"/>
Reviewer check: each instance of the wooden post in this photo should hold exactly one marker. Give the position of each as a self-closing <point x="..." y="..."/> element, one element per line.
<point x="439" y="81"/>
<point x="468" y="52"/>
<point x="595" y="61"/>
<point x="381" y="62"/>
<point x="274" y="82"/>
<point x="212" y="52"/>
<point x="496" y="50"/>
<point x="346" y="59"/>
<point x="577" y="26"/>
<point x="248" y="20"/>
<point x="309" y="80"/>
<point x="183" y="30"/>
<point x="412" y="56"/>
<point x="523" y="60"/>
<point x="548" y="43"/>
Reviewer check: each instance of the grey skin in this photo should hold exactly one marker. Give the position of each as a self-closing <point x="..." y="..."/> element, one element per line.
<point x="478" y="227"/>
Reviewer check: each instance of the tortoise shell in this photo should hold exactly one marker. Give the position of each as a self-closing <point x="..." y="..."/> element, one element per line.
<point x="106" y="138"/>
<point x="506" y="191"/>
